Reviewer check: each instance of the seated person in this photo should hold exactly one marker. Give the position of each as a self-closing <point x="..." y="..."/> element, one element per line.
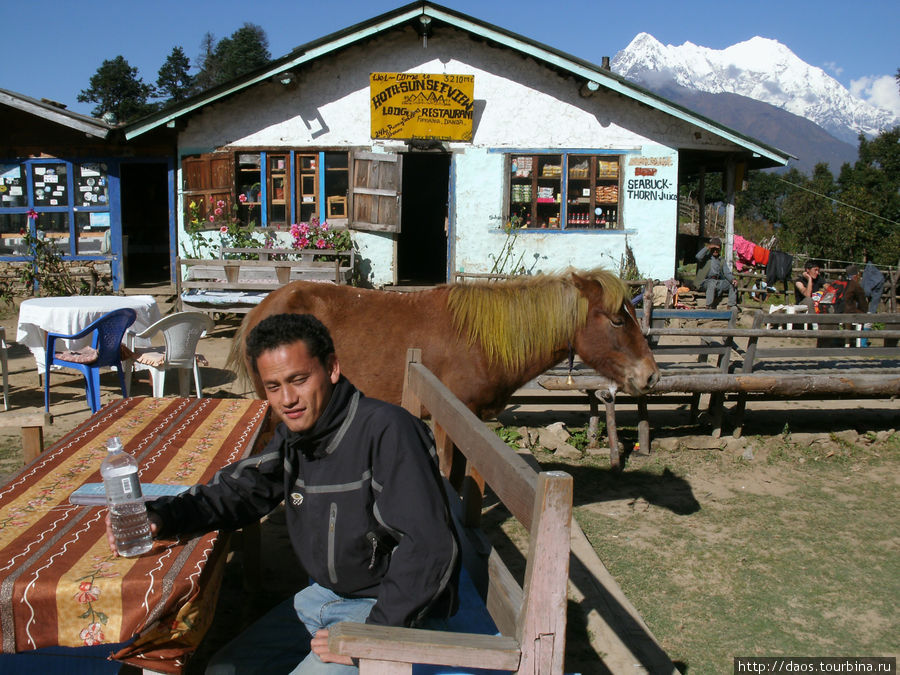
<point x="717" y="280"/>
<point x="807" y="284"/>
<point x="365" y="508"/>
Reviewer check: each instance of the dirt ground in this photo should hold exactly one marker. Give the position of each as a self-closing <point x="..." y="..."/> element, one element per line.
<point x="825" y="427"/>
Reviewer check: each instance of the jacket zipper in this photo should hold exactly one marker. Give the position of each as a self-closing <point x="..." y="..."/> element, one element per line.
<point x="332" y="519"/>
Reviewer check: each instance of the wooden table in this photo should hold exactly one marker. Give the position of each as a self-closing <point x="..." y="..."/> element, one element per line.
<point x="59" y="584"/>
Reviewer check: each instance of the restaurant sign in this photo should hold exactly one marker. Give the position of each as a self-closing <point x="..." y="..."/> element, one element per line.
<point x="420" y="105"/>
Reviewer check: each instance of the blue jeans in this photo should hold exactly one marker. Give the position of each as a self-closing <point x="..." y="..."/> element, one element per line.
<point x="279" y="641"/>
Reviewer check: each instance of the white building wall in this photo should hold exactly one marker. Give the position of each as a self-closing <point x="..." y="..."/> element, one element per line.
<point x="520" y="106"/>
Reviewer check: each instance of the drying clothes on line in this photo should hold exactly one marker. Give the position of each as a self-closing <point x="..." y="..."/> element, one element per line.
<point x="744" y="250"/>
<point x="760" y="255"/>
<point x="779" y="267"/>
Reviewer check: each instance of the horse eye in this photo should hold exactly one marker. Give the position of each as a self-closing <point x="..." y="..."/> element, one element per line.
<point x="617" y="321"/>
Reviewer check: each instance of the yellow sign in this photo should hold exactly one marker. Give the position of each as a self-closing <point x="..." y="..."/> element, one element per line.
<point x="421" y="105"/>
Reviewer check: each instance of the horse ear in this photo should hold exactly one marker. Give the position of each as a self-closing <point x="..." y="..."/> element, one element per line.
<point x="589" y="288"/>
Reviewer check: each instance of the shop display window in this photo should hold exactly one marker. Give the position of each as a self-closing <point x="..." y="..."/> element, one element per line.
<point x="570" y="191"/>
<point x="13" y="186"/>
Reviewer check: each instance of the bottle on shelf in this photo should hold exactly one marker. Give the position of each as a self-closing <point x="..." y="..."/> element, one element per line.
<point x="128" y="514"/>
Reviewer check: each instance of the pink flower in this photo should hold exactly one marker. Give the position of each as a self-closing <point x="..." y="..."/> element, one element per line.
<point x="87" y="592"/>
<point x="212" y="219"/>
<point x="303" y="242"/>
<point x="324" y="227"/>
<point x="320" y="243"/>
<point x="304" y="229"/>
<point x="242" y="198"/>
<point x="92" y="635"/>
<point x="32" y="214"/>
<point x="218" y="212"/>
<point x="220" y="203"/>
<point x="223" y="229"/>
<point x="295" y="230"/>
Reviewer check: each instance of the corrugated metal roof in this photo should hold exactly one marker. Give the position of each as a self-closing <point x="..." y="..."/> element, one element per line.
<point x="54" y="113"/>
<point x="552" y="57"/>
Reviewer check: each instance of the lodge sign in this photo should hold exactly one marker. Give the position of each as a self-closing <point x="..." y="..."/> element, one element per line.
<point x="407" y="106"/>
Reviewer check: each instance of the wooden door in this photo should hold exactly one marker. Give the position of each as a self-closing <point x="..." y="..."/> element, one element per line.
<point x="375" y="192"/>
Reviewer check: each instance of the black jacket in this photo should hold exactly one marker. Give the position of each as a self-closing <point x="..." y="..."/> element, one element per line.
<point x="366" y="510"/>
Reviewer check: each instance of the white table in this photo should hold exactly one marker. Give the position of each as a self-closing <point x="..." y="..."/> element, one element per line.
<point x="39" y="316"/>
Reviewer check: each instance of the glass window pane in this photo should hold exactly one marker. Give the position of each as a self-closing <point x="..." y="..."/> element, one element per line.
<point x="91" y="184"/>
<point x="13" y="227"/>
<point x="50" y="186"/>
<point x="13" y="187"/>
<point x="93" y="233"/>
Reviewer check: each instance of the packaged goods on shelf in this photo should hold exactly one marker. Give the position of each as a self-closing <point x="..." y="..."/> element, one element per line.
<point x="522" y="166"/>
<point x="607" y="168"/>
<point x="607" y="193"/>
<point x="551" y="171"/>
<point x="579" y="170"/>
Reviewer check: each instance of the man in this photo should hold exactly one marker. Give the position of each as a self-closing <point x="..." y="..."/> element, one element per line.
<point x="717" y="278"/>
<point x="855" y="301"/>
<point x="365" y="509"/>
<point x="872" y="284"/>
<point x="808" y="283"/>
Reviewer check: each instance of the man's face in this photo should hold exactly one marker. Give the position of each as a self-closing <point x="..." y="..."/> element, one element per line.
<point x="715" y="251"/>
<point x="297" y="385"/>
<point x="813" y="272"/>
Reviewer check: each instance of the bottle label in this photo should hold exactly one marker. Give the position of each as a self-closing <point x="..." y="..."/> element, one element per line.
<point x="123" y="488"/>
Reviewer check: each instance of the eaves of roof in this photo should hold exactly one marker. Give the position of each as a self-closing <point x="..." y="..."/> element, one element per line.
<point x="55" y="114"/>
<point x="577" y="67"/>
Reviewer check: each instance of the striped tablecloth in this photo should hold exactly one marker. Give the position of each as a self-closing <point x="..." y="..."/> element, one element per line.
<point x="59" y="585"/>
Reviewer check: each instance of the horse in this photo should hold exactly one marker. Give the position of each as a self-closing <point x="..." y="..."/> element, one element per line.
<point x="482" y="340"/>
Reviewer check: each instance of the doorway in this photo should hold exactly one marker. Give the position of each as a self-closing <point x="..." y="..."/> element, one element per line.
<point x="145" y="223"/>
<point x="422" y="243"/>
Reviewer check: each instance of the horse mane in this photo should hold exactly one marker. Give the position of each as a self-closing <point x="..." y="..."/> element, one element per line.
<point x="525" y="318"/>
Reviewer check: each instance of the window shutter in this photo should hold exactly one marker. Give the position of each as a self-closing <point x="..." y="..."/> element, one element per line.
<point x="376" y="192"/>
<point x="206" y="179"/>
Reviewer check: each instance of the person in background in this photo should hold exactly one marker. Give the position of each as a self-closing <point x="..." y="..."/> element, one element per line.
<point x="855" y="301"/>
<point x="807" y="284"/>
<point x="717" y="279"/>
<point x="872" y="284"/>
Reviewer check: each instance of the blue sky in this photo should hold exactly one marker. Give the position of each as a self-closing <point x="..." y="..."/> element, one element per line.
<point x="53" y="47"/>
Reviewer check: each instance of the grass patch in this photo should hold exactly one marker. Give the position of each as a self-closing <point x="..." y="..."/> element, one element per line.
<point x="791" y="553"/>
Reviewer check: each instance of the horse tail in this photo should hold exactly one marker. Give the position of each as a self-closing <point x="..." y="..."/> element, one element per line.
<point x="236" y="361"/>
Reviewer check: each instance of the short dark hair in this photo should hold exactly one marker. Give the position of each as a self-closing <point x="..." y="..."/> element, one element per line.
<point x="813" y="263"/>
<point x="283" y="329"/>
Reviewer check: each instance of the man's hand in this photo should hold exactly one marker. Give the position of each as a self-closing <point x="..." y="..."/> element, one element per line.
<point x="111" y="539"/>
<point x="319" y="646"/>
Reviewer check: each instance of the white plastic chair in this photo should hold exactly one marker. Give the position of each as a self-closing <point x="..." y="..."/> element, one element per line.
<point x="3" y="365"/>
<point x="182" y="331"/>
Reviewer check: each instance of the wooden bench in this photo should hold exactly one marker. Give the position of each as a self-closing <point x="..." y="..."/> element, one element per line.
<point x="831" y="363"/>
<point x="234" y="284"/>
<point x="531" y="619"/>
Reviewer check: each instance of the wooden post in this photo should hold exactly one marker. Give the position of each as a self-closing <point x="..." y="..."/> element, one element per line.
<point x="612" y="434"/>
<point x="32" y="426"/>
<point x="409" y="399"/>
<point x="643" y="426"/>
<point x="593" y="433"/>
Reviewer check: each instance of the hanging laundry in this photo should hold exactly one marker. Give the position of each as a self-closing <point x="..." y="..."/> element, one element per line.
<point x="779" y="267"/>
<point x="744" y="250"/>
<point x="760" y="255"/>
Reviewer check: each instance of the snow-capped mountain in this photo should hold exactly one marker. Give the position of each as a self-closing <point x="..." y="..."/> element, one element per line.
<point x="761" y="69"/>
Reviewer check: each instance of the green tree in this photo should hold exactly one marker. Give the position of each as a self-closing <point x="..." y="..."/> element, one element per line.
<point x="117" y="88"/>
<point x="174" y="83"/>
<point x="245" y="50"/>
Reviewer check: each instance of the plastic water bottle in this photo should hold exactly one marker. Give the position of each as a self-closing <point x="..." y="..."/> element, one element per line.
<point x="128" y="515"/>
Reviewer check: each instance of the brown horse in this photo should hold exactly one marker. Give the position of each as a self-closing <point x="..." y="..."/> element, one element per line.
<point x="482" y="340"/>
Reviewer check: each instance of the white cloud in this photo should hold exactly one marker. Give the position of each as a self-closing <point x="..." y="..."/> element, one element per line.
<point x="879" y="90"/>
<point x="834" y="68"/>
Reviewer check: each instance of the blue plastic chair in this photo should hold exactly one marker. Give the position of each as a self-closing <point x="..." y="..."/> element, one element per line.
<point x="107" y="338"/>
